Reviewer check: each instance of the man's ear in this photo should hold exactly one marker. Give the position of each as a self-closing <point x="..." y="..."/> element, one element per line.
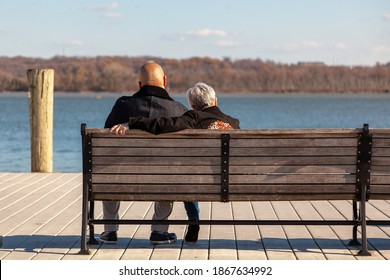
<point x="216" y="101"/>
<point x="165" y="80"/>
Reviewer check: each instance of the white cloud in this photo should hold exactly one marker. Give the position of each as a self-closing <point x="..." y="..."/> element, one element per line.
<point x="381" y="49"/>
<point x="311" y="44"/>
<point x="206" y="32"/>
<point x="304" y="45"/>
<point x="113" y="15"/>
<point x="103" y="7"/>
<point x="341" y="46"/>
<point x="226" y="43"/>
<point x="77" y="43"/>
<point x="386" y="16"/>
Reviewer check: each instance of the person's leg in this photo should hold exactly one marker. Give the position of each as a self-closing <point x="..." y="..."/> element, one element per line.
<point x="110" y="212"/>
<point x="192" y="209"/>
<point x="162" y="210"/>
<point x="160" y="235"/>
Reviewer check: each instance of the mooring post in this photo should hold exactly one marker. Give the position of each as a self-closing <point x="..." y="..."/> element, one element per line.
<point x="41" y="86"/>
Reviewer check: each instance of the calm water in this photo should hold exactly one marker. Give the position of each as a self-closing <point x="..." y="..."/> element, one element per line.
<point x="254" y="111"/>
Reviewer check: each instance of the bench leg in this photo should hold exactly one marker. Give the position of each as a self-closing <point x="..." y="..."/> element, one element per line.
<point x="354" y="242"/>
<point x="84" y="250"/>
<point x="92" y="240"/>
<point x="364" y="251"/>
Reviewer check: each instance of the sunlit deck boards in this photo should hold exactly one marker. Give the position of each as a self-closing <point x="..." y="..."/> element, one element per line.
<point x="40" y="218"/>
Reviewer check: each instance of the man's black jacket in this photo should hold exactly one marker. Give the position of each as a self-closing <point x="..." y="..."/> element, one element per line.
<point x="209" y="118"/>
<point x="149" y="102"/>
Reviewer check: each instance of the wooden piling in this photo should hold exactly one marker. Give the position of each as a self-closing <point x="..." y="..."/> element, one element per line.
<point x="41" y="86"/>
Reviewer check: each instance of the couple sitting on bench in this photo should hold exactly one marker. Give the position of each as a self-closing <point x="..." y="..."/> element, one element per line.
<point x="152" y="109"/>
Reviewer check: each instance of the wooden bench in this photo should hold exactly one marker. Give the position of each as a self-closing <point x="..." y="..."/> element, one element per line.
<point x="237" y="165"/>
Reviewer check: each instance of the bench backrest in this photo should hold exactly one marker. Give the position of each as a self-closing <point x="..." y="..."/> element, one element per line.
<point x="236" y="165"/>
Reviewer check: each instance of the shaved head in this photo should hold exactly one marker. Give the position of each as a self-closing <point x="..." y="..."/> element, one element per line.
<point x="152" y="74"/>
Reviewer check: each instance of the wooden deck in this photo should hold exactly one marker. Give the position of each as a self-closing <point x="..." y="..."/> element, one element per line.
<point x="40" y="219"/>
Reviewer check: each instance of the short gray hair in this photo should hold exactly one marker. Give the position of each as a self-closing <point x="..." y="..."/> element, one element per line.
<point x="201" y="96"/>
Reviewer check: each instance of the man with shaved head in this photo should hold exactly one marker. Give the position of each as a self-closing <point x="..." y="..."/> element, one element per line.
<point x="151" y="101"/>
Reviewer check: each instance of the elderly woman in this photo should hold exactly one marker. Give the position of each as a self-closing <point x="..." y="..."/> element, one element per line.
<point x="205" y="115"/>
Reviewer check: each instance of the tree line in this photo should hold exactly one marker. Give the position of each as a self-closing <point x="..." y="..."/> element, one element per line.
<point x="120" y="74"/>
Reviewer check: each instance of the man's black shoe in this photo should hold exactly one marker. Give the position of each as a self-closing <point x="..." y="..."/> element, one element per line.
<point x="159" y="238"/>
<point x="192" y="233"/>
<point x="109" y="237"/>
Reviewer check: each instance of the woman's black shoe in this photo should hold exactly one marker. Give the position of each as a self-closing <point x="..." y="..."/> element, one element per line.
<point x="192" y="233"/>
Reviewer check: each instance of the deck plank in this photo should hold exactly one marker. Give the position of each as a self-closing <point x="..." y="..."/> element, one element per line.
<point x="248" y="239"/>
<point x="324" y="236"/>
<point x="139" y="247"/>
<point x="17" y="227"/>
<point x="274" y="238"/>
<point x="300" y="239"/>
<point x="8" y="180"/>
<point x="48" y="224"/>
<point x="222" y="237"/>
<point x="200" y="249"/>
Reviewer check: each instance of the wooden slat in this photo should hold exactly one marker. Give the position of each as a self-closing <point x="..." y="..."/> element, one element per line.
<point x="296" y="169"/>
<point x="234" y="179"/>
<point x="381" y="152"/>
<point x="299" y="152"/>
<point x="380" y="170"/>
<point x="104" y="132"/>
<point x="215" y="197"/>
<point x="157" y="142"/>
<point x="380" y="131"/>
<point x="380" y="189"/>
<point x="216" y="189"/>
<point x="155" y="169"/>
<point x="158" y="152"/>
<point x="194" y="161"/>
<point x="156" y="179"/>
<point x="185" y="161"/>
<point x="239" y="169"/>
<point x="294" y="142"/>
<point x="292" y="160"/>
<point x="379" y="192"/>
<point x="160" y="188"/>
<point x="195" y="151"/>
<point x="380" y="180"/>
<point x="384" y="161"/>
<point x="291" y="189"/>
<point x="380" y="142"/>
<point x="293" y="179"/>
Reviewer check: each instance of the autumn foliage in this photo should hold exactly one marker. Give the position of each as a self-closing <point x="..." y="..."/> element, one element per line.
<point x="119" y="74"/>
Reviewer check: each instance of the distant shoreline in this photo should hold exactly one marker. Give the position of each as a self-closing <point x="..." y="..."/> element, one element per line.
<point x="117" y="94"/>
<point x="120" y="73"/>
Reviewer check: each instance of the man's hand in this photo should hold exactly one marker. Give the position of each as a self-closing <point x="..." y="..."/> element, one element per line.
<point x="120" y="129"/>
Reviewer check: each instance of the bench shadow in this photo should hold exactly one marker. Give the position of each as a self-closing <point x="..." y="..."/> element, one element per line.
<point x="35" y="243"/>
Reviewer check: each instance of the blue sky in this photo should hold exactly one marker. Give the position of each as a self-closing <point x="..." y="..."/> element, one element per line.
<point x="348" y="32"/>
